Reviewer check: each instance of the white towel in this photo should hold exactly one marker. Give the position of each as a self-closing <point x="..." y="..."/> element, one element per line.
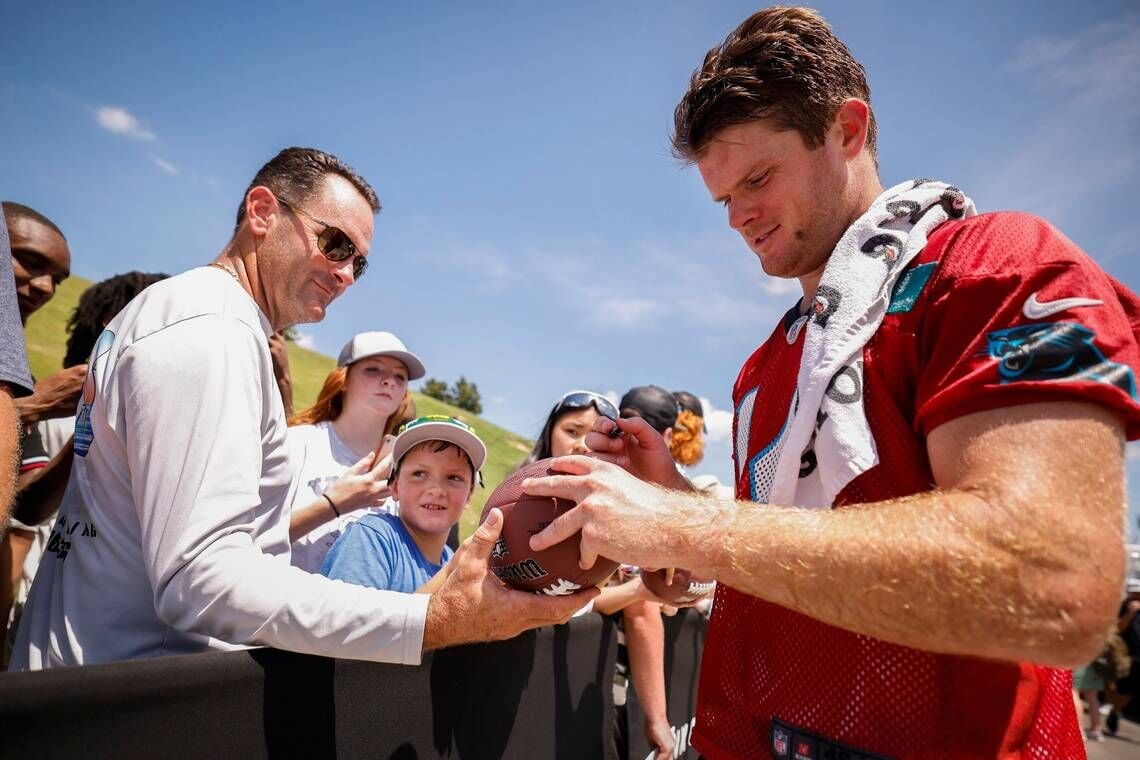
<point x="826" y="414"/>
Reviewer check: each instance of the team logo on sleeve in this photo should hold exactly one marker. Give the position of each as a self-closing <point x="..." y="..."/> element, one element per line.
<point x="84" y="433"/>
<point x="1062" y="351"/>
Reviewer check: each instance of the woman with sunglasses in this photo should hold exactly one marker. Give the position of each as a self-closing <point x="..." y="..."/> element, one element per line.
<point x="570" y="419"/>
<point x="567" y="424"/>
<point x="343" y="442"/>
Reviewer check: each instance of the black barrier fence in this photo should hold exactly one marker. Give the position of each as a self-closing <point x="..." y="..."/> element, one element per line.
<point x="544" y="694"/>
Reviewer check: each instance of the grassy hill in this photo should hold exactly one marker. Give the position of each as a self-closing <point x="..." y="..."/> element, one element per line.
<point x="46" y="336"/>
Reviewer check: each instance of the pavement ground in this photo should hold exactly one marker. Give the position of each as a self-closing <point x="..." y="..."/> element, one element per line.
<point x="1124" y="746"/>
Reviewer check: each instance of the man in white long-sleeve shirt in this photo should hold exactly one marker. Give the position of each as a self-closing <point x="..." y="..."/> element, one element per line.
<point x="173" y="535"/>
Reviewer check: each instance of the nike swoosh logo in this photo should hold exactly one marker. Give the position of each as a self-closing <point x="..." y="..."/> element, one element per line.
<point x="1034" y="309"/>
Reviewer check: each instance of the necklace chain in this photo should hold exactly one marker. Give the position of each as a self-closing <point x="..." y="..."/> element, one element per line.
<point x="225" y="269"/>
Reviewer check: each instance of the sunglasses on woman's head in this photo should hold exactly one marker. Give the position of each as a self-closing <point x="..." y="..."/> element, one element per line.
<point x="333" y="242"/>
<point x="582" y="399"/>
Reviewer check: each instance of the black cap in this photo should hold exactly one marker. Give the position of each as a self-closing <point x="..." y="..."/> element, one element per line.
<point x="652" y="403"/>
<point x="687" y="402"/>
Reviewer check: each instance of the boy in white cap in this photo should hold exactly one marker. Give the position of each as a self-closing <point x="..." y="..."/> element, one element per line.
<point x="436" y="464"/>
<point x="341" y="444"/>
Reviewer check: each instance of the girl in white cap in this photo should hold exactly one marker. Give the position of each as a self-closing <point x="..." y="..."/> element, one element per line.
<point x="343" y="442"/>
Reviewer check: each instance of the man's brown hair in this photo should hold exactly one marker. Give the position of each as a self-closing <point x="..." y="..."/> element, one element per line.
<point x="295" y="174"/>
<point x="783" y="64"/>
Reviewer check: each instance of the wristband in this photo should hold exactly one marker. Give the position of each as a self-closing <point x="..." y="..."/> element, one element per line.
<point x="331" y="504"/>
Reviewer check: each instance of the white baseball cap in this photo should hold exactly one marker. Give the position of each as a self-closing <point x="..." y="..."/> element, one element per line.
<point x="439" y="427"/>
<point x="380" y="343"/>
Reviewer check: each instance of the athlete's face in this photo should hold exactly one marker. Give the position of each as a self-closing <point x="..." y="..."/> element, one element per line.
<point x="432" y="488"/>
<point x="376" y="384"/>
<point x="787" y="201"/>
<point x="568" y="436"/>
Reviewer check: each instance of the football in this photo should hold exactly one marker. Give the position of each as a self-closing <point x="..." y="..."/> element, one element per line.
<point x="554" y="571"/>
<point x="684" y="589"/>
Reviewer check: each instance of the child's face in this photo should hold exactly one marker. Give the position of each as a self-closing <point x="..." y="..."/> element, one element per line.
<point x="433" y="487"/>
<point x="569" y="434"/>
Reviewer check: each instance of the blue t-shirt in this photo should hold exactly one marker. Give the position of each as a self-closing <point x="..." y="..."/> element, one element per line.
<point x="378" y="551"/>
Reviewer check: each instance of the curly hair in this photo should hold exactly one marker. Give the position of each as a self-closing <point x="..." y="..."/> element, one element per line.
<point x="330" y="404"/>
<point x="97" y="306"/>
<point x="783" y="64"/>
<point x="687" y="445"/>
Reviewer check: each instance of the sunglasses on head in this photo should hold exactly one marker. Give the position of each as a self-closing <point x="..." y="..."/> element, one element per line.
<point x="582" y="399"/>
<point x="333" y="242"/>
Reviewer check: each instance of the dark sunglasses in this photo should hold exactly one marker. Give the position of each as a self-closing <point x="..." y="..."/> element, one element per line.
<point x="583" y="399"/>
<point x="333" y="242"/>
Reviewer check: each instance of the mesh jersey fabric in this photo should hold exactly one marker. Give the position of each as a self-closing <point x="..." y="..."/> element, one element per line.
<point x="943" y="351"/>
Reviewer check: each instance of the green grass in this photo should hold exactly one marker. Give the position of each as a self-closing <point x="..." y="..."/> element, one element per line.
<point x="47" y="337"/>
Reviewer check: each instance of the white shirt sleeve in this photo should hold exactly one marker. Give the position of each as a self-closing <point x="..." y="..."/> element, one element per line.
<point x="200" y="428"/>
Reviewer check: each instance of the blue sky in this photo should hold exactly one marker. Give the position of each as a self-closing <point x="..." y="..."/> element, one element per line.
<point x="536" y="234"/>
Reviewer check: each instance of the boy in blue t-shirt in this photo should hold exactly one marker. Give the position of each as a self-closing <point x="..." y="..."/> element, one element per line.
<point x="436" y="461"/>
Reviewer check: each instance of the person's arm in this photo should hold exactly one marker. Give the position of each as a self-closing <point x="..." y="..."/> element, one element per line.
<point x="619" y="596"/>
<point x="9" y="453"/>
<point x="363" y="485"/>
<point x="197" y="492"/>
<point x="55" y="396"/>
<point x="1015" y="555"/>
<point x="41" y="491"/>
<point x="280" y="356"/>
<point x="645" y="642"/>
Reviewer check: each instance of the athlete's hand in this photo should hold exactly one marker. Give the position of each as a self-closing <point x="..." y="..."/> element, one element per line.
<point x="640" y="450"/>
<point x="626" y="519"/>
<point x="472" y="604"/>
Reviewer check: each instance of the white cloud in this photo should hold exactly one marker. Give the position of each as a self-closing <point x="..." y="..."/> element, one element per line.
<point x="1088" y="144"/>
<point x="120" y="121"/>
<point x="626" y="312"/>
<point x="165" y="165"/>
<point x="718" y="421"/>
<point x="305" y="340"/>
<point x="780" y="287"/>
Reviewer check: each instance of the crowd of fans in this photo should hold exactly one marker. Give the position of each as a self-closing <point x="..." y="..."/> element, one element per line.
<point x="375" y="490"/>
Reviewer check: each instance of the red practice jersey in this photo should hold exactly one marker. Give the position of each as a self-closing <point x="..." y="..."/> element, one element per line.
<point x="997" y="310"/>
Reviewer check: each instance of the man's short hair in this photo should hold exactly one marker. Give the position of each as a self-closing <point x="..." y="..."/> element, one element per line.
<point x="783" y="64"/>
<point x="296" y="174"/>
<point x="14" y="211"/>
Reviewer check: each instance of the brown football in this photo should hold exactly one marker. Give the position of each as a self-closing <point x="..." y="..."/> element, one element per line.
<point x="685" y="587"/>
<point x="554" y="571"/>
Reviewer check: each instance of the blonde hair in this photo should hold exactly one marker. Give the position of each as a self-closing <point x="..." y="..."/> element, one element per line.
<point x="687" y="445"/>
<point x="330" y="404"/>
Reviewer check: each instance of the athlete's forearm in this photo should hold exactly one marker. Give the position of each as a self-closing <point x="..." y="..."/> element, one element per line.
<point x="951" y="572"/>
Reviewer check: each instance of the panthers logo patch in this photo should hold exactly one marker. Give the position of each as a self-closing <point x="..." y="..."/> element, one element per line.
<point x="1062" y="351"/>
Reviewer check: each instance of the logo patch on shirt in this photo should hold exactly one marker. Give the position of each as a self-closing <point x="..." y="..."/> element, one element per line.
<point x="909" y="287"/>
<point x="84" y="433"/>
<point x="1034" y="309"/>
<point x="787" y="741"/>
<point x="1061" y="351"/>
